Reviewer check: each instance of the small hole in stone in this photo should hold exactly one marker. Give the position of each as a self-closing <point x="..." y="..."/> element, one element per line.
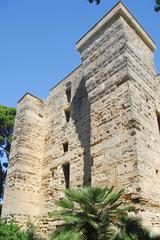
<point x="156" y="171"/>
<point x="133" y="132"/>
<point x="40" y="115"/>
<point x="52" y="174"/>
<point x="138" y="189"/>
<point x="92" y="163"/>
<point x="136" y="200"/>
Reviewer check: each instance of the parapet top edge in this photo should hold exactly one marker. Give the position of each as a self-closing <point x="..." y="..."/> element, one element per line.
<point x="118" y="10"/>
<point x="74" y="70"/>
<point x="27" y="93"/>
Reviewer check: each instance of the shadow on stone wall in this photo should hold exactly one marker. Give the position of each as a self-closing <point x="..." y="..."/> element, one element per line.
<point x="80" y="113"/>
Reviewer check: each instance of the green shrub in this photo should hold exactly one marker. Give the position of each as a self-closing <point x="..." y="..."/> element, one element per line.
<point x="11" y="231"/>
<point x="31" y="232"/>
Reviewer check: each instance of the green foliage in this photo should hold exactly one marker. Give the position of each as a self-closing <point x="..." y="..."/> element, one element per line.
<point x="96" y="214"/>
<point x="89" y="213"/>
<point x="31" y="232"/>
<point x="131" y="229"/>
<point x="11" y="231"/>
<point x="7" y="117"/>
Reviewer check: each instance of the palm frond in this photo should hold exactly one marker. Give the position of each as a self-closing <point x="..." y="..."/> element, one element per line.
<point x="132" y="227"/>
<point x="59" y="214"/>
<point x="67" y="233"/>
<point x="65" y="203"/>
<point x="89" y="212"/>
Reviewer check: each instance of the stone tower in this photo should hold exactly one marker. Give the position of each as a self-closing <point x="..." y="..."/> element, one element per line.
<point x="99" y="126"/>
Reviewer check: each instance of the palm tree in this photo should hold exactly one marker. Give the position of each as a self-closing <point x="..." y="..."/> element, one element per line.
<point x="89" y="213"/>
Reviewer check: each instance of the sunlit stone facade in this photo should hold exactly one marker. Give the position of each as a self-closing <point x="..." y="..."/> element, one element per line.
<point x="100" y="126"/>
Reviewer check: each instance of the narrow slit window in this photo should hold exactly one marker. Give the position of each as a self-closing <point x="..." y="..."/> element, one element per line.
<point x="67" y="114"/>
<point x="65" y="147"/>
<point x="66" y="172"/>
<point x="68" y="94"/>
<point x="158" y="121"/>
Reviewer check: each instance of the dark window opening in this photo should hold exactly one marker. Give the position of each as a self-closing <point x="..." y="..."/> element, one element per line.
<point x="158" y="120"/>
<point x="68" y="94"/>
<point x="65" y="147"/>
<point x="67" y="114"/>
<point x="66" y="172"/>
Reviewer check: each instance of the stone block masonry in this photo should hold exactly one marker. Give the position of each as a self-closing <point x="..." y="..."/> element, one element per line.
<point x="100" y="126"/>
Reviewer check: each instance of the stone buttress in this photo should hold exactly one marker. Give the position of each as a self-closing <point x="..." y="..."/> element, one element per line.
<point x="22" y="195"/>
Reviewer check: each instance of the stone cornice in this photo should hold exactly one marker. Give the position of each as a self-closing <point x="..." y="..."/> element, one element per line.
<point x="118" y="10"/>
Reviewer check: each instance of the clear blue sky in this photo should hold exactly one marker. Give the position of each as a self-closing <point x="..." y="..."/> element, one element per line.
<point x="37" y="40"/>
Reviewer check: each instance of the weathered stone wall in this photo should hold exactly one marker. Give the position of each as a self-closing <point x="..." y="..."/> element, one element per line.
<point x="57" y="132"/>
<point x="144" y="107"/>
<point x="105" y="70"/>
<point x="22" y="196"/>
<point x="101" y="122"/>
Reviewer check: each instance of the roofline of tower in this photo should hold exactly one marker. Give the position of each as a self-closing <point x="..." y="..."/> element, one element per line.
<point x="66" y="77"/>
<point x="118" y="10"/>
<point x="27" y="93"/>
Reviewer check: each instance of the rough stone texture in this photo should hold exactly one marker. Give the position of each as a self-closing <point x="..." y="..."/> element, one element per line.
<point x="113" y="134"/>
<point x="22" y="197"/>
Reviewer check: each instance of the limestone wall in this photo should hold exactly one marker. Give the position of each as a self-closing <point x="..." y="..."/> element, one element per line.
<point x="100" y="126"/>
<point x="105" y="70"/>
<point x="144" y="108"/>
<point x="58" y="132"/>
<point x="22" y="195"/>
